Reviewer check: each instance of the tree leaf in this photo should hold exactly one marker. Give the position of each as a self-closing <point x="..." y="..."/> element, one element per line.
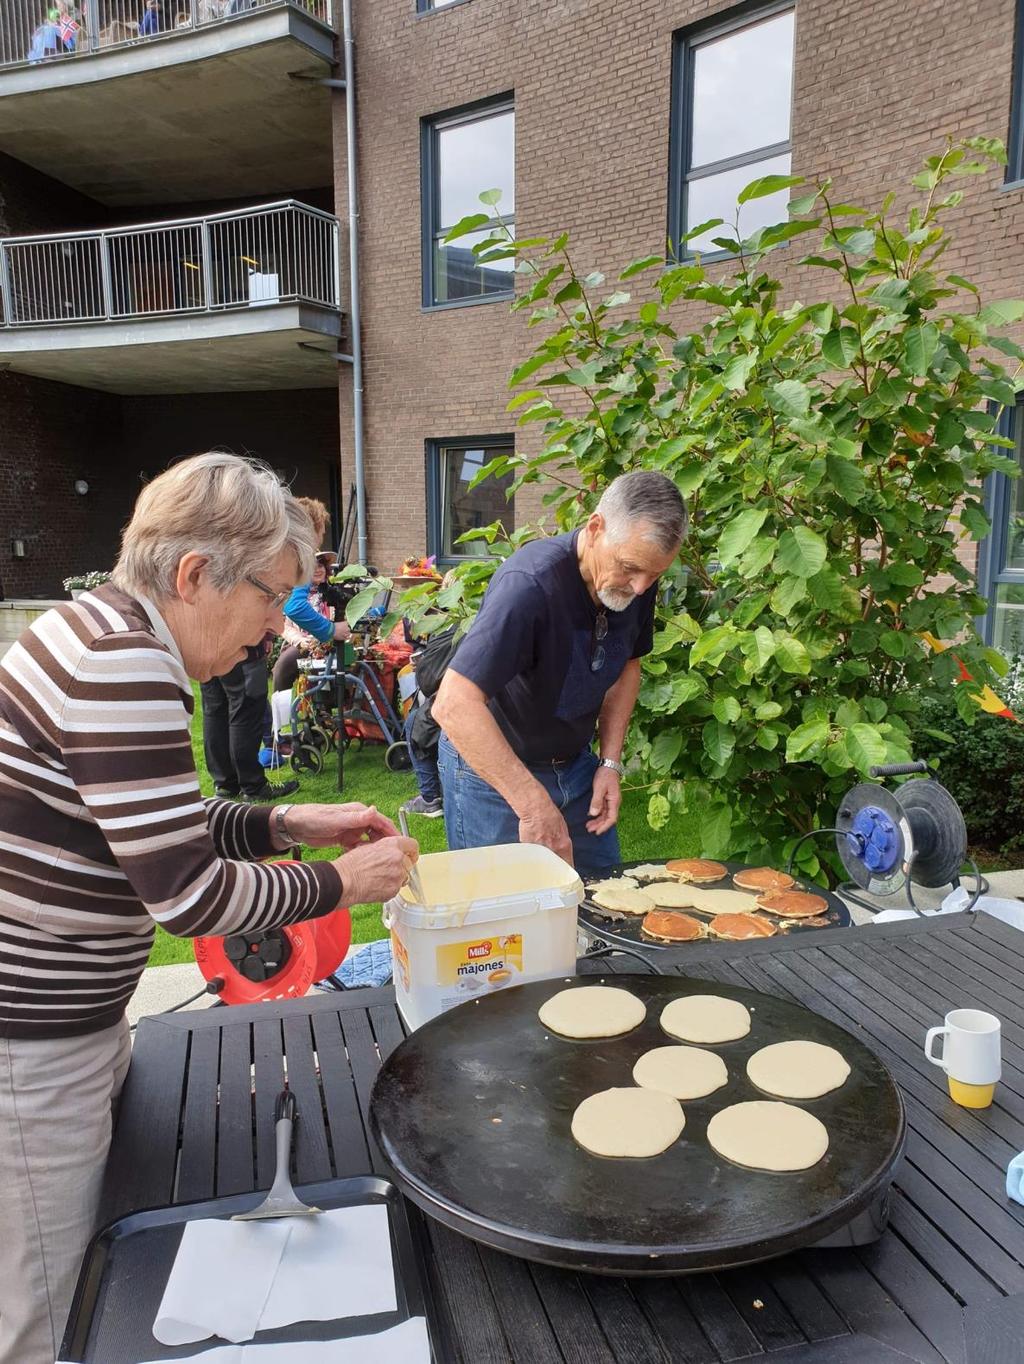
<point x="726" y="709"/>
<point x="921" y="343"/>
<point x="789" y="593"/>
<point x="644" y="263"/>
<point x="361" y="603"/>
<point x="472" y="223"/>
<point x="790" y="397"/>
<point x="658" y="812"/>
<point x="976" y="521"/>
<point x="791" y="655"/>
<point x="768" y="710"/>
<point x="719" y="742"/>
<point x="840" y="346"/>
<point x="665" y="749"/>
<point x="713" y="645"/>
<point x="740" y="532"/>
<point x="759" y="647"/>
<point x="738" y="370"/>
<point x="805" y="738"/>
<point x="801" y="552"/>
<point x="716" y="831"/>
<point x="826" y="589"/>
<point x="865" y="746"/>
<point x="490" y="196"/>
<point x="1001" y="312"/>
<point x="765" y="185"/>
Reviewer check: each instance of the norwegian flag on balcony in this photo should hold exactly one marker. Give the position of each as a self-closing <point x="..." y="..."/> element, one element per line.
<point x="68" y="28"/>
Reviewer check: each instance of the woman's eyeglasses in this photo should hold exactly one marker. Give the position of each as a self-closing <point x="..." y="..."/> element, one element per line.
<point x="276" y="599"/>
<point x="597" y="654"/>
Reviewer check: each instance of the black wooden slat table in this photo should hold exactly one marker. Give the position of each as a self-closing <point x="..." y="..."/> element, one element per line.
<point x="945" y="1283"/>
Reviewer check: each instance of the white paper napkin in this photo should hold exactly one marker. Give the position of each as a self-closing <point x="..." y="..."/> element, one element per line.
<point x="231" y="1279"/>
<point x="406" y="1343"/>
<point x="221" y="1279"/>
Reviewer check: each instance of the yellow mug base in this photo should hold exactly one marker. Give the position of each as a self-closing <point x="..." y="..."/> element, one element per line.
<point x="970" y="1096"/>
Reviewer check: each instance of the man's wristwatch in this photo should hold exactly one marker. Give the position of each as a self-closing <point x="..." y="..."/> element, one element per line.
<point x="610" y="762"/>
<point x="280" y="829"/>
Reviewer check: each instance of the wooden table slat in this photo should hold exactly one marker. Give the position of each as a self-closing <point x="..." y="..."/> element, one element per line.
<point x="764" y="1312"/>
<point x="351" y="1150"/>
<point x="235" y="1168"/>
<point x="906" y="1280"/>
<point x="311" y="1149"/>
<point x="144" y="1156"/>
<point x="804" y="1300"/>
<point x="269" y="1077"/>
<point x="520" y="1309"/>
<point x="481" y="1339"/>
<point x="681" y="1336"/>
<point x="365" y="1063"/>
<point x="572" y="1318"/>
<point x="626" y="1328"/>
<point x="865" y="1304"/>
<point x="199" y="1120"/>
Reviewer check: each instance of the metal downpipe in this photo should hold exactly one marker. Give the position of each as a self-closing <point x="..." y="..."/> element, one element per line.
<point x="353" y="259"/>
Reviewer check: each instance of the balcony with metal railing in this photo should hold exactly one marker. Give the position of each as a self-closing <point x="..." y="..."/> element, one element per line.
<point x="241" y="300"/>
<point x="143" y="101"/>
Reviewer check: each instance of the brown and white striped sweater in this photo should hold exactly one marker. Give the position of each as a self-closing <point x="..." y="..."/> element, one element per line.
<point x="102" y="826"/>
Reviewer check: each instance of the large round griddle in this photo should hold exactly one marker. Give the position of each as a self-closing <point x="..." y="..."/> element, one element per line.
<point x="473" y="1113"/>
<point x="625" y="930"/>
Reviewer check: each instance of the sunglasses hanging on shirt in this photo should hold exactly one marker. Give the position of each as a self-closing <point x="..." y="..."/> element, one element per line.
<point x="597" y="654"/>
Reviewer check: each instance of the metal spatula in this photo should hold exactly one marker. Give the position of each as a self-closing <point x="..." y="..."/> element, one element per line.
<point x="282" y="1200"/>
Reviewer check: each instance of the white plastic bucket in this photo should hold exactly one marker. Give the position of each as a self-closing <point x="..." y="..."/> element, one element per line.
<point x="495" y="917"/>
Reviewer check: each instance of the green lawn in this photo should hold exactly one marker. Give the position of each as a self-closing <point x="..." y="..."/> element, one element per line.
<point x="368" y="780"/>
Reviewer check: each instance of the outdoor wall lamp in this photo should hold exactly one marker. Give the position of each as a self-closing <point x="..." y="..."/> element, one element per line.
<point x="81" y="487"/>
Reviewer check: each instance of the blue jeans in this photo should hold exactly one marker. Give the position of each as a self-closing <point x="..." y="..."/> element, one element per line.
<point x="426" y="772"/>
<point x="475" y="816"/>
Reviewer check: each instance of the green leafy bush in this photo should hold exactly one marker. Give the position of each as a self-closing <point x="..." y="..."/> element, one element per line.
<point x="982" y="764"/>
<point x="832" y="457"/>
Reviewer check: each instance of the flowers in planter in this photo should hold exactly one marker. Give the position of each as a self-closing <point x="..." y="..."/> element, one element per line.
<point x="85" y="582"/>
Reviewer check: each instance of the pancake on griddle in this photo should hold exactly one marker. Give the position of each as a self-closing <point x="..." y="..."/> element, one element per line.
<point x="762" y="879"/>
<point x="740" y="927"/>
<point x="698" y="870"/>
<point x="666" y="925"/>
<point x="792" y="904"/>
<point x="624" y="899"/>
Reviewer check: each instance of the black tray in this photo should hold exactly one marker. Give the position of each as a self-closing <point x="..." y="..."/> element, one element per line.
<point x="599" y="928"/>
<point x="473" y="1113"/>
<point x="127" y="1266"/>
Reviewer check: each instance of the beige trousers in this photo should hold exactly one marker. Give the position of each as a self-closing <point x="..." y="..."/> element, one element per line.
<point x="56" y="1099"/>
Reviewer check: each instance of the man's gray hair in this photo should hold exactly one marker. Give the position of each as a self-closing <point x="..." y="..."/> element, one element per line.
<point x="649" y="497"/>
<point x="236" y="512"/>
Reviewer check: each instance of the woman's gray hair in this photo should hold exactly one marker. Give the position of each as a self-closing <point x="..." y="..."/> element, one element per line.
<point x="234" y="511"/>
<point x="649" y="497"/>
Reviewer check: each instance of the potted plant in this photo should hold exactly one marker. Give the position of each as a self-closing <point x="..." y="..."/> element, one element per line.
<point x="84" y="582"/>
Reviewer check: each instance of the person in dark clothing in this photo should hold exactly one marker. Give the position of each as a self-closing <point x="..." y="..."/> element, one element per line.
<point x="551" y="662"/>
<point x="422" y="732"/>
<point x="234" y="715"/>
<point x="152" y="19"/>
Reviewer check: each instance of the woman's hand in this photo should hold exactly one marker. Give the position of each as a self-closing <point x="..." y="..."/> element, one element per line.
<point x="376" y="871"/>
<point x="333" y="826"/>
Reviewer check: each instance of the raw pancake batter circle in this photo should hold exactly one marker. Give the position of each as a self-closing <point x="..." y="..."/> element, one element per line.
<point x="592" y="1011"/>
<point x="763" y="1135"/>
<point x="627" y="1122"/>
<point x="797" y="1070"/>
<point x="705" y="1018"/>
<point x="683" y="1072"/>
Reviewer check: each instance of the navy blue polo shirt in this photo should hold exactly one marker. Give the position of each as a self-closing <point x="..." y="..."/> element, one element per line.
<point x="530" y="650"/>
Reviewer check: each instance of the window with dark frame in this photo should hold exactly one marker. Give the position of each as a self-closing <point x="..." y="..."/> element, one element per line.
<point x="1001" y="562"/>
<point x="464" y="153"/>
<point x="452" y="507"/>
<point x="1015" y="138"/>
<point x="424" y="6"/>
<point x="732" y="97"/>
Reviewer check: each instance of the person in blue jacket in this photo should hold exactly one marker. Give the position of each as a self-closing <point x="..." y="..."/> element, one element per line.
<point x="152" y="19"/>
<point x="309" y="625"/>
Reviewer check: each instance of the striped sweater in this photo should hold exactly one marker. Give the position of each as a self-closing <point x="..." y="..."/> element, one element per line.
<point x="102" y="826"/>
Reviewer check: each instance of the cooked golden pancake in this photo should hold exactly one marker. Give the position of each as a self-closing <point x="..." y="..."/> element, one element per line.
<point x="668" y="925"/>
<point x="762" y="879"/>
<point x="696" y="869"/>
<point x="792" y="904"/>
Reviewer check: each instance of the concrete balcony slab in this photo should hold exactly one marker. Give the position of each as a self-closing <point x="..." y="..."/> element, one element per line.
<point x="241" y="350"/>
<point x="199" y="115"/>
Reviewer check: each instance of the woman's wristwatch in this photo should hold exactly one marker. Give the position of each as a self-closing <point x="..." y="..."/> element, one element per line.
<point x="278" y="826"/>
<point x="610" y="762"/>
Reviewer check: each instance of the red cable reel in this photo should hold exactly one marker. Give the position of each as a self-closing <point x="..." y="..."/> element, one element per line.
<point x="278" y="963"/>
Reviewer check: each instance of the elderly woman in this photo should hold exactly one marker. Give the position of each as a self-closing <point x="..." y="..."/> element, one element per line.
<point x="103" y="831"/>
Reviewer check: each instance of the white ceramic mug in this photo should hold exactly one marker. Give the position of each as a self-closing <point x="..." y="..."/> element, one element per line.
<point x="970" y="1056"/>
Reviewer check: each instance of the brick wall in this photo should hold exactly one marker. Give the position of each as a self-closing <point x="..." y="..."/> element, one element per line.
<point x="53" y="434"/>
<point x="877" y="88"/>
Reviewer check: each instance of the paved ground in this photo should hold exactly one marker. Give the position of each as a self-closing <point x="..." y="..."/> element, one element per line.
<point x="162" y="987"/>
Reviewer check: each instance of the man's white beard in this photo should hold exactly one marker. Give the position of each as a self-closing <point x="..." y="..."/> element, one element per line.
<point x="615" y="601"/>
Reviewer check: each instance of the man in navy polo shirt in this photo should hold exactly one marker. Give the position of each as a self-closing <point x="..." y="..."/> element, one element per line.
<point x="553" y="656"/>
